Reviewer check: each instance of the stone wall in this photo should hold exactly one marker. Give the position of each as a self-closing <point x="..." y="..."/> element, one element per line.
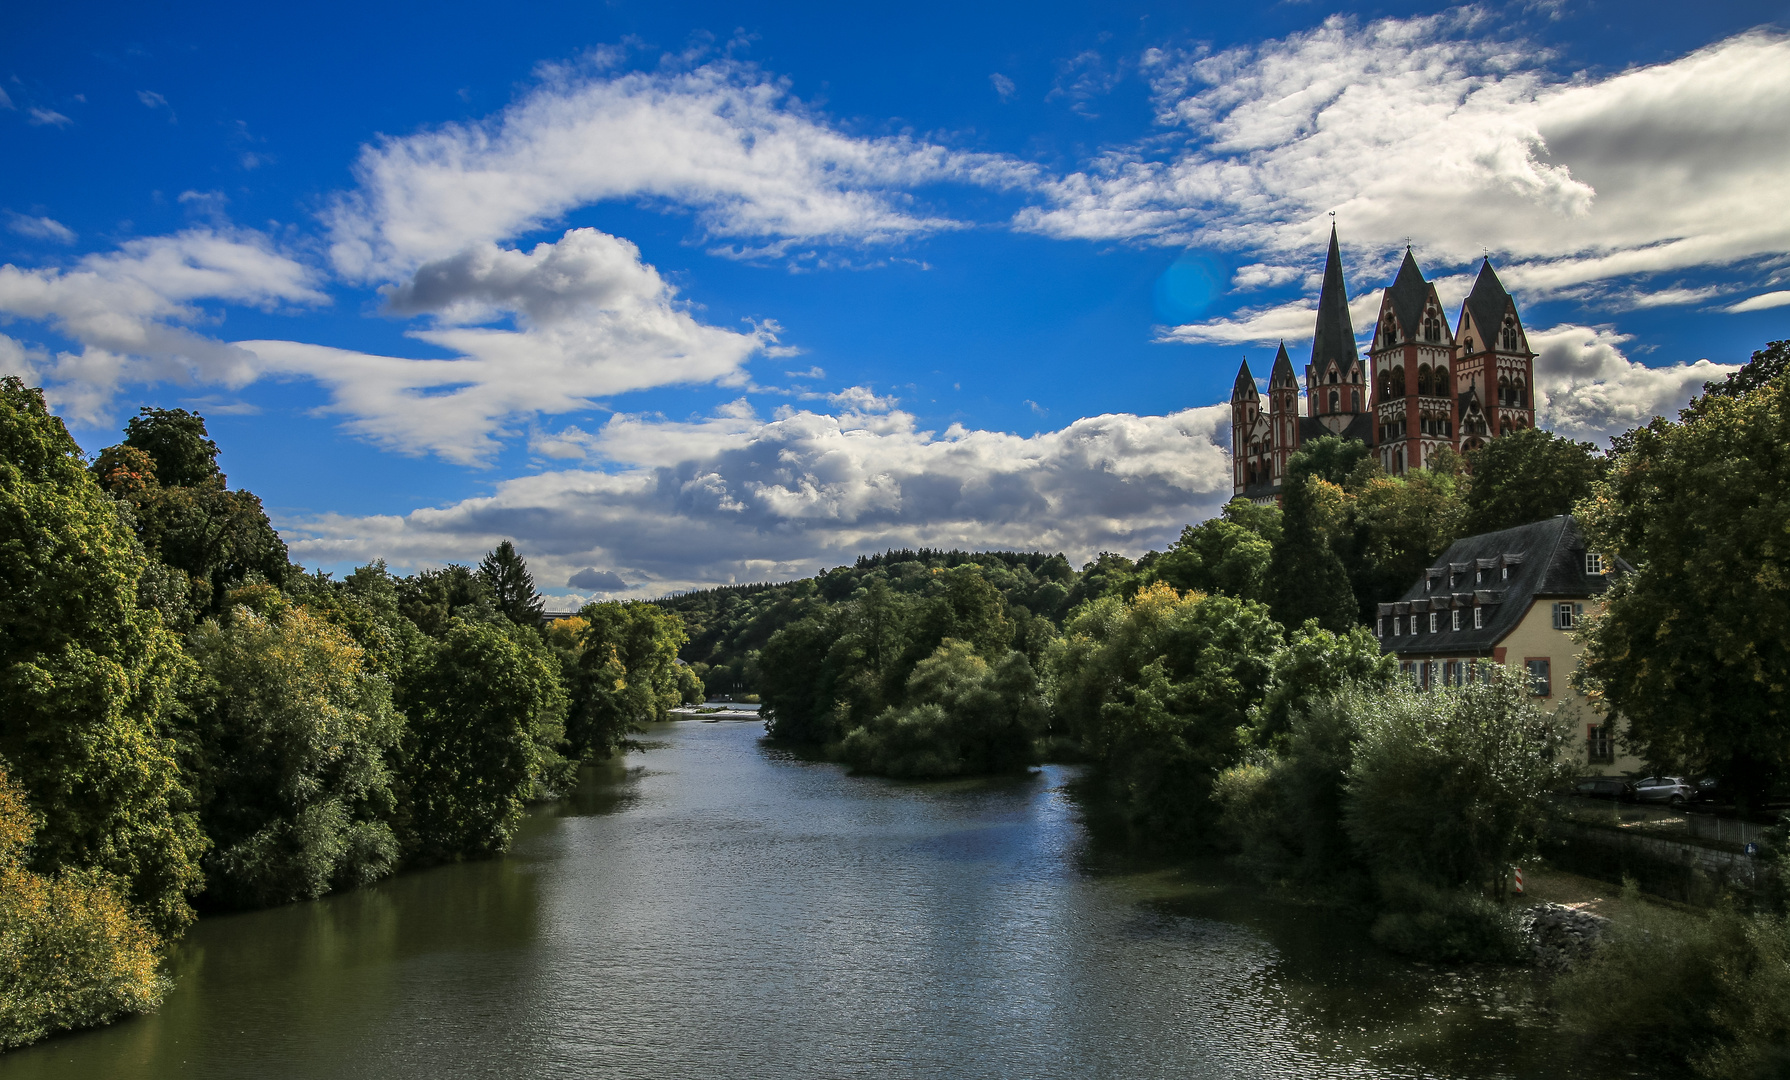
<point x="1689" y="872"/>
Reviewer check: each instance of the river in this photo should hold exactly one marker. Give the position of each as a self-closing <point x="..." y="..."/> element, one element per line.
<point x="714" y="907"/>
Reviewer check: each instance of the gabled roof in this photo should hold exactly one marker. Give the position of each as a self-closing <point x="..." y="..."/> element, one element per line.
<point x="1335" y="335"/>
<point x="1547" y="561"/>
<point x="1282" y="374"/>
<point x="1408" y="295"/>
<point x="1245" y="384"/>
<point x="1487" y="302"/>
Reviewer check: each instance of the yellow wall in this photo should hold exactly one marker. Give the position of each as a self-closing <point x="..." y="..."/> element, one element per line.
<point x="1535" y="636"/>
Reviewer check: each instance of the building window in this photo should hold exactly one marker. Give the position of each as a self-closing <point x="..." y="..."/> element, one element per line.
<point x="1397" y="625"/>
<point x="1479" y="618"/>
<point x="1540" y="683"/>
<point x="1600" y="748"/>
<point x="1568" y="616"/>
<point x="1455" y="616"/>
<point x="1594" y="563"/>
<point x="1433" y="616"/>
<point x="1506" y="574"/>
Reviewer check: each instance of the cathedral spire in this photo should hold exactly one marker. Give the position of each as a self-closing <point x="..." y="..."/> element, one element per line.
<point x="1487" y="302"/>
<point x="1408" y="294"/>
<point x="1335" y="336"/>
<point x="1245" y="381"/>
<point x="1282" y="373"/>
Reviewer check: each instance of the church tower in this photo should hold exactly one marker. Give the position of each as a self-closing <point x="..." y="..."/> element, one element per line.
<point x="1335" y="391"/>
<point x="1251" y="437"/>
<point x="1283" y="411"/>
<point x="1413" y="356"/>
<point x="1495" y="365"/>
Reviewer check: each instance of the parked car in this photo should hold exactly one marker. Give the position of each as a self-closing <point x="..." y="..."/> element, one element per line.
<point x="1672" y="790"/>
<point x="1712" y="790"/>
<point x="1604" y="787"/>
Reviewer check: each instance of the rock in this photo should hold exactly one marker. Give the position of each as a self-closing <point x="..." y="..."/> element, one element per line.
<point x="1559" y="936"/>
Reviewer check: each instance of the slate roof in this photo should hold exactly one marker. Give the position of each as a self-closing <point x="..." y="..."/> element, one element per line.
<point x="1408" y="294"/>
<point x="1546" y="560"/>
<point x="1245" y="381"/>
<point x="1360" y="428"/>
<point x="1487" y="302"/>
<point x="1283" y="368"/>
<point x="1335" y="336"/>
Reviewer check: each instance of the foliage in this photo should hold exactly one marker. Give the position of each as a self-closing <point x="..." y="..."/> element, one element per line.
<point x="1400" y="525"/>
<point x="1766" y="366"/>
<point x="963" y="716"/>
<point x="1156" y="690"/>
<point x="72" y="952"/>
<point x="1444" y="785"/>
<point x="176" y="442"/>
<point x="432" y="599"/>
<point x="1228" y="554"/>
<point x="486" y="708"/>
<point x="1527" y="475"/>
<point x="1712" y="993"/>
<point x="625" y="674"/>
<point x="512" y="587"/>
<point x="1450" y="925"/>
<point x="1694" y="646"/>
<point x="1314" y="664"/>
<point x="87" y="678"/>
<point x="292" y="735"/>
<point x="1307" y="580"/>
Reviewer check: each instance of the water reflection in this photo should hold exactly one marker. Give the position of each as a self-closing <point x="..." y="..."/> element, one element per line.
<point x="712" y="908"/>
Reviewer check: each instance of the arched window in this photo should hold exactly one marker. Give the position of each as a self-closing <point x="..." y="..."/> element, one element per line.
<point x="1335" y="401"/>
<point x="1442" y="380"/>
<point x="1432" y="327"/>
<point x="1503" y="390"/>
<point x="1355" y="375"/>
<point x="1333" y="373"/>
<point x="1469" y="347"/>
<point x="1423" y="380"/>
<point x="1354" y="401"/>
<point x="1389" y="333"/>
<point x="1510" y="335"/>
<point x="1398" y="382"/>
<point x="1517" y="397"/>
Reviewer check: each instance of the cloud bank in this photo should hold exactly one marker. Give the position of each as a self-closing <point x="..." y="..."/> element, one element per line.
<point x="738" y="498"/>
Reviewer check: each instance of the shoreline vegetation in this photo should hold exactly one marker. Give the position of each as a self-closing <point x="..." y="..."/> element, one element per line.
<point x="196" y="724"/>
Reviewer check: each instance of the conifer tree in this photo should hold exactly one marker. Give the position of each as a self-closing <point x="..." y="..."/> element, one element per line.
<point x="512" y="587"/>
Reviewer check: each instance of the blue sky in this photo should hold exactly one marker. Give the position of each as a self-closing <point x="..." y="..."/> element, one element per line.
<point x="703" y="293"/>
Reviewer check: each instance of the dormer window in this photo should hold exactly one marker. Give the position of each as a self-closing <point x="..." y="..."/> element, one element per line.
<point x="1456" y="617"/>
<point x="1433" y="617"/>
<point x="1505" y="576"/>
<point x="1380" y="627"/>
<point x="1594" y="563"/>
<point x="1479" y="618"/>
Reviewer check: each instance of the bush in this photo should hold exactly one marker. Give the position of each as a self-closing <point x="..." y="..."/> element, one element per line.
<point x="72" y="952"/>
<point x="1451" y="925"/>
<point x="964" y="716"/>
<point x="1713" y="993"/>
<point x="1445" y="784"/>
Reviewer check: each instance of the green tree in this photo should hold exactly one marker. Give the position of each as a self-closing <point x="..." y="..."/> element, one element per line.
<point x="1223" y="554"/>
<point x="1314" y="664"/>
<point x="1766" y="366"/>
<point x="506" y="574"/>
<point x="963" y="716"/>
<point x="72" y="952"/>
<point x="1306" y="575"/>
<point x="1400" y="526"/>
<point x="626" y="674"/>
<point x="87" y="677"/>
<point x="796" y="685"/>
<point x="293" y="735"/>
<point x="483" y="711"/>
<point x="1693" y="648"/>
<point x="1156" y="690"/>
<point x="1527" y="475"/>
<point x="432" y="599"/>
<point x="177" y="442"/>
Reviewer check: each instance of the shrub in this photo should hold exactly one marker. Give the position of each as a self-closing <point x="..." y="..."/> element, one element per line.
<point x="1713" y="993"/>
<point x="72" y="952"/>
<point x="1451" y="925"/>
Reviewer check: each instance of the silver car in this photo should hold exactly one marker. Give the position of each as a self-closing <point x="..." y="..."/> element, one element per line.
<point x="1672" y="790"/>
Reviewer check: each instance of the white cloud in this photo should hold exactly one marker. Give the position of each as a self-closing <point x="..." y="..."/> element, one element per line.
<point x="1761" y="302"/>
<point x="1004" y="87"/>
<point x="125" y="309"/>
<point x="722" y="140"/>
<point x="746" y="499"/>
<point x="39" y="228"/>
<point x="46" y="118"/>
<point x="1434" y="129"/>
<point x="1585" y="388"/>
<point x="591" y="320"/>
<point x="1292" y="321"/>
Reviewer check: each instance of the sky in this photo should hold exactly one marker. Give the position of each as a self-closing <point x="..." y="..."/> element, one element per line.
<point x="680" y="294"/>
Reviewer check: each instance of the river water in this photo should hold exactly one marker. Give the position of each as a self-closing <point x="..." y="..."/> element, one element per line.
<point x="713" y="907"/>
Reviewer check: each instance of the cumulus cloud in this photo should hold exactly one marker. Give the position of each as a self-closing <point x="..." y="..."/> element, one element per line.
<point x="594" y="580"/>
<point x="1436" y="129"/>
<point x="723" y="141"/>
<point x="128" y="311"/>
<point x="736" y="499"/>
<point x="39" y="228"/>
<point x="1585" y="388"/>
<point x="590" y="319"/>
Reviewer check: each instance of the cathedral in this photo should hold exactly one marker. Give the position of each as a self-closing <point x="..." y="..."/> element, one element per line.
<point x="1419" y="386"/>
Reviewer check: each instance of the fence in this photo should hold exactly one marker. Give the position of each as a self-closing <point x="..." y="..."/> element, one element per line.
<point x="1693" y="871"/>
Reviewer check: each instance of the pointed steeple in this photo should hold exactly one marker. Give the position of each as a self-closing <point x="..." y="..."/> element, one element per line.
<point x="1282" y="374"/>
<point x="1335" y="336"/>
<point x="1408" y="293"/>
<point x="1487" y="302"/>
<point x="1245" y="384"/>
